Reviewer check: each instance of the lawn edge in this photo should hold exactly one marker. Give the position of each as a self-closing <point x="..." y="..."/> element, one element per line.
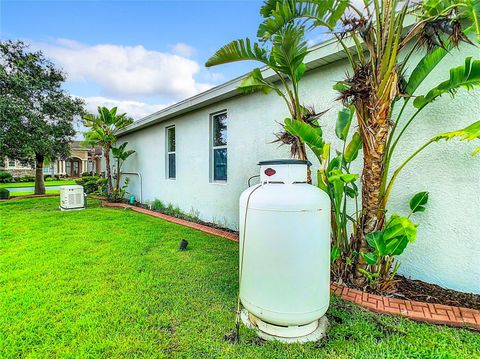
<point x="418" y="311"/>
<point x="200" y="227"/>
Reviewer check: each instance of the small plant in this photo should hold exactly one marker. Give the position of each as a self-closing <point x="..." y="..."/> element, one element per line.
<point x="5" y="177"/>
<point x="4" y="193"/>
<point x="171" y="210"/>
<point x="118" y="194"/>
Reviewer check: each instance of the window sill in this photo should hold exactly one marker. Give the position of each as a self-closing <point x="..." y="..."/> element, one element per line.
<point x="222" y="183"/>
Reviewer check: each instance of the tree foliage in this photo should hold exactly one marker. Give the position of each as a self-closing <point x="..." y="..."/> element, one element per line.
<point x="37" y="113"/>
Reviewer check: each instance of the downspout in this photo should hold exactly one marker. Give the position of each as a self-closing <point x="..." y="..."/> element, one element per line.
<point x="141" y="181"/>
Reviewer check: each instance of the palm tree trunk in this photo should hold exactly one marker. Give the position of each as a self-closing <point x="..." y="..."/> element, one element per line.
<point x="375" y="134"/>
<point x="39" y="182"/>
<point x="108" y="170"/>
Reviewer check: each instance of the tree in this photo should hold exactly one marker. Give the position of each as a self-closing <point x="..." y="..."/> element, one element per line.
<point x="120" y="154"/>
<point x="103" y="132"/>
<point x="378" y="41"/>
<point x="37" y="114"/>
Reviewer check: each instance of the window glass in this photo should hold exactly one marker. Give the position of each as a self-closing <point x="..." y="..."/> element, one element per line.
<point x="219" y="147"/>
<point x="220" y="164"/>
<point x="171" y="158"/>
<point x="11" y="163"/>
<point x="171" y="165"/>
<point x="220" y="130"/>
<point x="171" y="139"/>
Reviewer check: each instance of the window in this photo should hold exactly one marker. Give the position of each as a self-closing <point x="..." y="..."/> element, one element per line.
<point x="171" y="165"/>
<point x="219" y="147"/>
<point x="11" y="163"/>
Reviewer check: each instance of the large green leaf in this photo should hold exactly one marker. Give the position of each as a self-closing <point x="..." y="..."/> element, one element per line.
<point x="469" y="133"/>
<point x="255" y="82"/>
<point x="240" y="50"/>
<point x="344" y="120"/>
<point x="370" y="258"/>
<point x="466" y="76"/>
<point x="278" y="14"/>
<point x="398" y="232"/>
<point x="312" y="136"/>
<point x="423" y="69"/>
<point x="376" y="241"/>
<point x="289" y="50"/>
<point x="351" y="151"/>
<point x="418" y="202"/>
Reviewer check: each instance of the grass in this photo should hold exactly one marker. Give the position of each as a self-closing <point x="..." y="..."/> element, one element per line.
<point x="110" y="283"/>
<point x="26" y="193"/>
<point x="32" y="184"/>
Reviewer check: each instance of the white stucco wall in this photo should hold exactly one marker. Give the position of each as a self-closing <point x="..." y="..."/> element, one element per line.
<point x="447" y="250"/>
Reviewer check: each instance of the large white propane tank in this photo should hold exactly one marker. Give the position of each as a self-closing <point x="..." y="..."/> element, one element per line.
<point x="285" y="250"/>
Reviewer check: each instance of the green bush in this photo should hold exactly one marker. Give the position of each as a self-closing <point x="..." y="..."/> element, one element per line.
<point x="4" y="193"/>
<point x="5" y="177"/>
<point x="90" y="184"/>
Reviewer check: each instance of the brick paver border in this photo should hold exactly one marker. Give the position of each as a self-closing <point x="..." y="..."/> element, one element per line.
<point x="419" y="311"/>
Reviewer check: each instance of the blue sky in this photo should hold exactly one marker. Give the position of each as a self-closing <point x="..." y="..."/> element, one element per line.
<point x="138" y="55"/>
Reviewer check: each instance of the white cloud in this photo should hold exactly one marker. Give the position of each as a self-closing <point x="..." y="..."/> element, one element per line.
<point x="133" y="109"/>
<point x="182" y="49"/>
<point x="128" y="71"/>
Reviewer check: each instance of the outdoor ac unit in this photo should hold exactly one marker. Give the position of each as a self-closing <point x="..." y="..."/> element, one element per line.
<point x="71" y="197"/>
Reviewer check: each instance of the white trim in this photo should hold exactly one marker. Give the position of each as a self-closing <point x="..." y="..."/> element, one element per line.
<point x="167" y="153"/>
<point x="213" y="148"/>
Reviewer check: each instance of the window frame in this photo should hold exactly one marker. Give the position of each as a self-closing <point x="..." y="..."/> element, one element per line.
<point x="168" y="153"/>
<point x="213" y="147"/>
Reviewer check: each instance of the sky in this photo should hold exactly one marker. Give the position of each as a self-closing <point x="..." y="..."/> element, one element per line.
<point x="140" y="56"/>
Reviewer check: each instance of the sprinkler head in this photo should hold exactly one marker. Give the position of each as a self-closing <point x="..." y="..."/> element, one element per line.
<point x="183" y="245"/>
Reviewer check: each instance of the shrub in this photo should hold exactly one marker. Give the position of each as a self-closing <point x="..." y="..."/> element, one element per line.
<point x="5" y="177"/>
<point x="90" y="183"/>
<point x="157" y="205"/>
<point x="174" y="211"/>
<point x="4" y="193"/>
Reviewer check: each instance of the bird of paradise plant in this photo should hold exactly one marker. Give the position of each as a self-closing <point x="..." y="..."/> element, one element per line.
<point x="378" y="41"/>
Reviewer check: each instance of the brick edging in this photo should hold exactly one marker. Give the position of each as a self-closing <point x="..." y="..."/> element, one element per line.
<point x="216" y="232"/>
<point x="419" y="311"/>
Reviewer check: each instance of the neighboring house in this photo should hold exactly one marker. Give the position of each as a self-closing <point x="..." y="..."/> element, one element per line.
<point x="199" y="154"/>
<point x="81" y="160"/>
<point x="16" y="168"/>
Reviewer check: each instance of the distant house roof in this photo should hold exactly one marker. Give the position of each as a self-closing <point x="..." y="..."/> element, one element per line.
<point x="322" y="54"/>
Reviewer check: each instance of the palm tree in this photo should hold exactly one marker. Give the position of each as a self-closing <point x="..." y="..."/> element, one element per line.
<point x="378" y="45"/>
<point x="120" y="154"/>
<point x="283" y="53"/>
<point x="103" y="132"/>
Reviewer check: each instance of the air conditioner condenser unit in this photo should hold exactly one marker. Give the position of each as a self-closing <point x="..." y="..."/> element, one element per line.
<point x="72" y="197"/>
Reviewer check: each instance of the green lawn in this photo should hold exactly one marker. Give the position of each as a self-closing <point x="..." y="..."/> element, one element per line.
<point x="32" y="184"/>
<point x="110" y="283"/>
<point x="26" y="193"/>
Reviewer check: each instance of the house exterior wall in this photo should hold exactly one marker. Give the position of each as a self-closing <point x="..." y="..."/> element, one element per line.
<point x="447" y="249"/>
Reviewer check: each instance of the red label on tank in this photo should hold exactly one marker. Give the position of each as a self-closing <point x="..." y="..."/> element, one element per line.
<point x="270" y="172"/>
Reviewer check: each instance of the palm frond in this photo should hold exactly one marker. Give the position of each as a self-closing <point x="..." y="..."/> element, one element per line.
<point x="240" y="50"/>
<point x="468" y="133"/>
<point x="466" y="76"/>
<point x="278" y="14"/>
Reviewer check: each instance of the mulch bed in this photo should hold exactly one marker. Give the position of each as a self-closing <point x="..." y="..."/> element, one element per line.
<point x="431" y="293"/>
